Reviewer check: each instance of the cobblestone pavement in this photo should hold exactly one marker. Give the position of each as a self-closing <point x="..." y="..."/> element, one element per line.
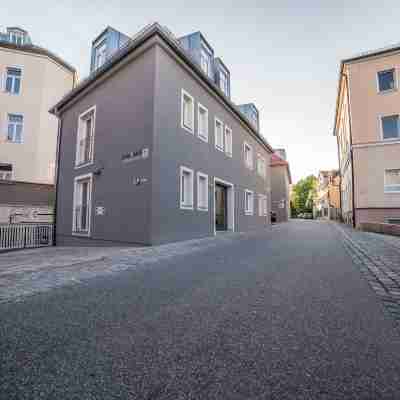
<point x="378" y="257"/>
<point x="27" y="272"/>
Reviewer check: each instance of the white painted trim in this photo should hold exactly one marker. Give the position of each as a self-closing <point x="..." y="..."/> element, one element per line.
<point x="183" y="206"/>
<point x="201" y="175"/>
<point x="230" y="201"/>
<point x="384" y="182"/>
<point x="6" y="128"/>
<point x="90" y="192"/>
<point x="80" y="117"/>
<point x="201" y="137"/>
<point x="217" y="120"/>
<point x="380" y="116"/>
<point x="395" y="77"/>
<point x="249" y="212"/>
<point x="244" y="155"/>
<point x="183" y="126"/>
<point x="229" y="154"/>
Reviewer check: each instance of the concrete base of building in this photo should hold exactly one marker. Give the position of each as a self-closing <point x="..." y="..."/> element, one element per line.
<point x="82" y="241"/>
<point x="379" y="215"/>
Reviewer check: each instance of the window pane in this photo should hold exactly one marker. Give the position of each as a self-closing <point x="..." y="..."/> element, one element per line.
<point x="17" y="85"/>
<point x="392" y="177"/>
<point x="386" y="80"/>
<point x="9" y="84"/>
<point x="390" y="126"/>
<point x="18" y="133"/>
<point x="10" y="132"/>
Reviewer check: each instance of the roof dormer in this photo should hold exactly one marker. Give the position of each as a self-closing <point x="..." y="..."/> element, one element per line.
<point x="17" y="36"/>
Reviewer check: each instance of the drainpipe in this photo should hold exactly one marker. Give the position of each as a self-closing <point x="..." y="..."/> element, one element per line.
<point x="351" y="153"/>
<point x="57" y="177"/>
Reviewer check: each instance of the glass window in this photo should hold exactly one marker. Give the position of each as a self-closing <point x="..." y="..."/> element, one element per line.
<point x="15" y="128"/>
<point x="219" y="135"/>
<point x="248" y="156"/>
<point x="390" y="127"/>
<point x="100" y="54"/>
<point x="17" y="38"/>
<point x="202" y="123"/>
<point x="249" y="202"/>
<point x="261" y="166"/>
<point x="205" y="61"/>
<point x="82" y="199"/>
<point x="202" y="192"/>
<point x="386" y="80"/>
<point x="392" y="180"/>
<point x="186" y="188"/>
<point x="223" y="82"/>
<point x="228" y="141"/>
<point x="187" y="111"/>
<point x="85" y="138"/>
<point x="13" y="80"/>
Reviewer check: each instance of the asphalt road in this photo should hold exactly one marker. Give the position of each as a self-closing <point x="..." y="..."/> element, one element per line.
<point x="282" y="314"/>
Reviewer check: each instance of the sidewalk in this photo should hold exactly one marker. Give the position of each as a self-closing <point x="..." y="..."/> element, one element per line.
<point x="378" y="257"/>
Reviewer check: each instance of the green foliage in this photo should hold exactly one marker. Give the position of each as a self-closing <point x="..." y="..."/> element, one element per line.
<point x="303" y="195"/>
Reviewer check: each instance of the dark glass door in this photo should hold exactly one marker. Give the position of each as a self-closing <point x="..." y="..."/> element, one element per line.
<point x="220" y="208"/>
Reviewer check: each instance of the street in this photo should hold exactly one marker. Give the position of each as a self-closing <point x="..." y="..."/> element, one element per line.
<point x="282" y="314"/>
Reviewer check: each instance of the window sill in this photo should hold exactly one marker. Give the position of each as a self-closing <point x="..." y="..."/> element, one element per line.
<point x="248" y="213"/>
<point x="228" y="154"/>
<point x="78" y="166"/>
<point x="383" y="92"/>
<point x="391" y="192"/>
<point x="187" y="129"/>
<point x="81" y="234"/>
<point x="184" y="207"/>
<point x="202" y="209"/>
<point x="203" y="138"/>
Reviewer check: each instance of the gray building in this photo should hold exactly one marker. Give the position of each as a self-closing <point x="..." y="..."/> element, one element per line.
<point x="280" y="186"/>
<point x="152" y="149"/>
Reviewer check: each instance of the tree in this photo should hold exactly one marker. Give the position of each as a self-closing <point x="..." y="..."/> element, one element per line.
<point x="303" y="195"/>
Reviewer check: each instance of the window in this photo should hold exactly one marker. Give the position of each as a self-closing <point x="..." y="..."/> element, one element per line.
<point x="85" y="137"/>
<point x="100" y="54"/>
<point x="202" y="191"/>
<point x="186" y="182"/>
<point x="393" y="221"/>
<point x="5" y="171"/>
<point x="202" y="127"/>
<point x="386" y="80"/>
<point x="223" y="82"/>
<point x="13" y="80"/>
<point x="261" y="168"/>
<point x="219" y="135"/>
<point x="205" y="61"/>
<point x="248" y="155"/>
<point x="392" y="180"/>
<point x="15" y="128"/>
<point x="262" y="205"/>
<point x="82" y="205"/>
<point x="248" y="202"/>
<point x="187" y="112"/>
<point x="228" y="141"/>
<point x="17" y="37"/>
<point x="390" y="127"/>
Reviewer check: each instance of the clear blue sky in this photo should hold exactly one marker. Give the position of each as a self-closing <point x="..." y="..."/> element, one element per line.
<point x="283" y="55"/>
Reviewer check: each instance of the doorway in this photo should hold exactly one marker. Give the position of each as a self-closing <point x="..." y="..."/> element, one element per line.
<point x="221" y="208"/>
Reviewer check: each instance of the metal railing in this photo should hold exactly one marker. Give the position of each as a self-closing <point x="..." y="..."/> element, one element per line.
<point x="23" y="236"/>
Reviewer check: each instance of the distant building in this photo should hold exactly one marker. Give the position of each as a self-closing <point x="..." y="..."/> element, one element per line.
<point x="161" y="153"/>
<point x="281" y="181"/>
<point x="367" y="127"/>
<point x="327" y="198"/>
<point x="33" y="79"/>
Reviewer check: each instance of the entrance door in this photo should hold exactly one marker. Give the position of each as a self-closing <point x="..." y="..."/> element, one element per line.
<point x="221" y="217"/>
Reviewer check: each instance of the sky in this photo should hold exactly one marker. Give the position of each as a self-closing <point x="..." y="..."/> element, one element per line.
<point x="283" y="55"/>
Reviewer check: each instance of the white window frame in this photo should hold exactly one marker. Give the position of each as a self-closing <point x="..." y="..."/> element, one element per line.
<point x="79" y="131"/>
<point x="251" y="210"/>
<point x="394" y="78"/>
<point x="218" y="121"/>
<point x="18" y="35"/>
<point x="102" y="43"/>
<point x="200" y="207"/>
<point x="182" y="204"/>
<point x="204" y="50"/>
<point x="202" y="135"/>
<point x="187" y="128"/>
<point x="20" y="80"/>
<point x="381" y="127"/>
<point x="74" y="205"/>
<point x="228" y="143"/>
<point x="261" y="162"/>
<point x="224" y="73"/>
<point x="248" y="165"/>
<point x="22" y="130"/>
<point x="262" y="205"/>
<point x="387" y="186"/>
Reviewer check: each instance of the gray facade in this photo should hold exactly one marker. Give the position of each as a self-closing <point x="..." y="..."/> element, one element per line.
<point x="138" y="107"/>
<point x="280" y="181"/>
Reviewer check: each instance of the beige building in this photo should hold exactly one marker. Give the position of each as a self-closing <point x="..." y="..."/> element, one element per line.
<point x="327" y="198"/>
<point x="367" y="128"/>
<point x="32" y="80"/>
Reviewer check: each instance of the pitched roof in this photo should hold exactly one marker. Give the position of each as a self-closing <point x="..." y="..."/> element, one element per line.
<point x="277" y="161"/>
<point x="142" y="36"/>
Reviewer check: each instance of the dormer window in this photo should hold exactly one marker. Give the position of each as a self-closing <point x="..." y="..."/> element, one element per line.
<point x="100" y="54"/>
<point x="17" y="37"/>
<point x="205" y="61"/>
<point x="223" y="82"/>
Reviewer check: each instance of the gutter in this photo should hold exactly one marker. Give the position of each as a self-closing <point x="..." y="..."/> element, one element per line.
<point x="59" y="133"/>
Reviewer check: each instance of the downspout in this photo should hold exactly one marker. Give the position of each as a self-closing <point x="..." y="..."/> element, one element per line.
<point x="57" y="177"/>
<point x="351" y="153"/>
